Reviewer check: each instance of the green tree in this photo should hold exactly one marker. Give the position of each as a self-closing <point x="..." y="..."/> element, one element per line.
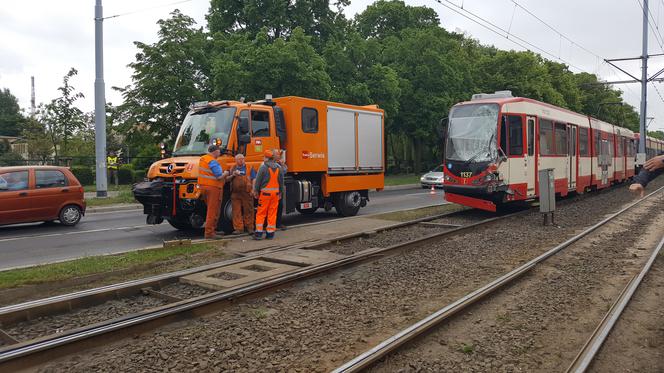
<point x="387" y="18"/>
<point x="40" y="145"/>
<point x="168" y="76"/>
<point x="61" y="117"/>
<point x="11" y="120"/>
<point x="252" y="68"/>
<point x="278" y="18"/>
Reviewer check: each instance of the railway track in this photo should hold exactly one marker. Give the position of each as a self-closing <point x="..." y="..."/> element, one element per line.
<point x="37" y="331"/>
<point x="427" y="324"/>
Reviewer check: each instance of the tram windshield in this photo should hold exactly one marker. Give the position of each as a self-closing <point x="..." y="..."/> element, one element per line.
<point x="471" y="134"/>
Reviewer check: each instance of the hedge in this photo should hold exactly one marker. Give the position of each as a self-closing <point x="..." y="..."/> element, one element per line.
<point x="126" y="174"/>
<point x="139" y="175"/>
<point x="85" y="175"/>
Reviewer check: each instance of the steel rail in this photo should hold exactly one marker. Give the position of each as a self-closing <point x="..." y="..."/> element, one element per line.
<point x="376" y="353"/>
<point x="594" y="343"/>
<point x="78" y="299"/>
<point x="28" y="349"/>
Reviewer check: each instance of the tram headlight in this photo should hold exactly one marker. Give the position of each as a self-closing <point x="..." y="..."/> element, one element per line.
<point x="490" y="177"/>
<point x="447" y="178"/>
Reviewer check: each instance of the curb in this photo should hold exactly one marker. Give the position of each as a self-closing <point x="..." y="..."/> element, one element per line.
<point x="124" y="207"/>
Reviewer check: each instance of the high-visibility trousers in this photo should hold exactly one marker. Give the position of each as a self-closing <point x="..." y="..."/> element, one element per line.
<point x="243" y="211"/>
<point x="212" y="197"/>
<point x="267" y="206"/>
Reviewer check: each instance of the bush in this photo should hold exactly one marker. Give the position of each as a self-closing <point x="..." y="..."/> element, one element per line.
<point x="139" y="175"/>
<point x="85" y="175"/>
<point x="126" y="174"/>
<point x="11" y="159"/>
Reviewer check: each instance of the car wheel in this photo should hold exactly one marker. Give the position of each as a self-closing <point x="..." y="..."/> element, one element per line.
<point x="70" y="215"/>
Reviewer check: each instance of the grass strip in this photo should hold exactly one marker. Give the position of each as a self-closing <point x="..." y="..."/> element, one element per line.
<point x="95" y="265"/>
<point x="125" y="196"/>
<point x="402" y="179"/>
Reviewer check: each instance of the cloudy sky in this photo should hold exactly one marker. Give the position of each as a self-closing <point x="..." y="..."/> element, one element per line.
<point x="45" y="38"/>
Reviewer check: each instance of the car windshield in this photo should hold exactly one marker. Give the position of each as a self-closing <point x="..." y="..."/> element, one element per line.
<point x="438" y="169"/>
<point x="201" y="128"/>
<point x="471" y="135"/>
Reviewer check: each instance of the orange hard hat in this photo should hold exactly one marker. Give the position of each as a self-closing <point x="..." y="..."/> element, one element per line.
<point x="268" y="153"/>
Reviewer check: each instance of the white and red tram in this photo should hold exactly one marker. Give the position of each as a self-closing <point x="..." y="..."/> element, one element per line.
<point x="496" y="144"/>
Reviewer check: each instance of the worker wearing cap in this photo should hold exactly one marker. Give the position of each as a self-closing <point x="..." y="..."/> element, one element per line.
<point x="268" y="187"/>
<point x="211" y="181"/>
<point x="243" y="203"/>
<point x="112" y="165"/>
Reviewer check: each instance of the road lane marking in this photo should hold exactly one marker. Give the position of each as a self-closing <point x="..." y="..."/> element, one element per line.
<point x="71" y="233"/>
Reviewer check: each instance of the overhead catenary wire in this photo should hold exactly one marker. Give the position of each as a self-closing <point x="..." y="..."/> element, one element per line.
<point x="501" y="31"/>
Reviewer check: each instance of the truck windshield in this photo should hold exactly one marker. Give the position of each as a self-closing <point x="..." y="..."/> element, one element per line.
<point x="202" y="127"/>
<point x="471" y="135"/>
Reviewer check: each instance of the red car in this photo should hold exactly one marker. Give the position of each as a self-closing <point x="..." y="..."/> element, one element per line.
<point x="40" y="193"/>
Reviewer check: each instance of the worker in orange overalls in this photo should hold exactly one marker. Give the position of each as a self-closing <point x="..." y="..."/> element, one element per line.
<point x="211" y="181"/>
<point x="241" y="196"/>
<point x="268" y="188"/>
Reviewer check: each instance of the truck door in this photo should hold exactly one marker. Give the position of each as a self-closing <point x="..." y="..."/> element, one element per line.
<point x="262" y="132"/>
<point x="530" y="161"/>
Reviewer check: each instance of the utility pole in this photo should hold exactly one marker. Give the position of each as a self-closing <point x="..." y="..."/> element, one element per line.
<point x="32" y="97"/>
<point x="100" y="103"/>
<point x="641" y="156"/>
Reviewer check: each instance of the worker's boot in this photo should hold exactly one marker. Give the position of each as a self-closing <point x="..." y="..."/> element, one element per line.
<point x="269" y="235"/>
<point x="258" y="236"/>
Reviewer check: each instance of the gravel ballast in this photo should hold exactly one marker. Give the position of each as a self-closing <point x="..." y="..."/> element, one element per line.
<point x="540" y="322"/>
<point x="111" y="309"/>
<point x="320" y="323"/>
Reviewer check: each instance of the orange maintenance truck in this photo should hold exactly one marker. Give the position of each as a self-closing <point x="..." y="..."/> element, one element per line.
<point x="334" y="153"/>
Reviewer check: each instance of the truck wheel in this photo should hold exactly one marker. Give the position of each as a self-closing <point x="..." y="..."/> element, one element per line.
<point x="347" y="203"/>
<point x="179" y="223"/>
<point x="308" y="211"/>
<point x="225" y="223"/>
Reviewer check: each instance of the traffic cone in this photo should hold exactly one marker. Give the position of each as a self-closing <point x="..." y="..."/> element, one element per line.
<point x="433" y="190"/>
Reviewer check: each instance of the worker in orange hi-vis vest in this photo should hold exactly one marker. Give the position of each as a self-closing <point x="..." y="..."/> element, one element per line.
<point x="211" y="181"/>
<point x="268" y="188"/>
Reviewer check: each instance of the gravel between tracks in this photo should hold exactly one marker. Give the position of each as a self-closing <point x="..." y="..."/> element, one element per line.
<point x="636" y="343"/>
<point x="539" y="323"/>
<point x="183" y="291"/>
<point x="382" y="239"/>
<point x="58" y="323"/>
<point x="317" y="324"/>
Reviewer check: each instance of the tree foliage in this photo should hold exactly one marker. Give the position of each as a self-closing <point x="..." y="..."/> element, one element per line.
<point x="392" y="54"/>
<point x="11" y="120"/>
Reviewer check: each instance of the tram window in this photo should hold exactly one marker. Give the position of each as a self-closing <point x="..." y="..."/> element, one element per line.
<point x="572" y="140"/>
<point x="546" y="137"/>
<point x="597" y="143"/>
<point x="561" y="139"/>
<point x="620" y="145"/>
<point x="531" y="137"/>
<point x="611" y="146"/>
<point x="583" y="142"/>
<point x="515" y="135"/>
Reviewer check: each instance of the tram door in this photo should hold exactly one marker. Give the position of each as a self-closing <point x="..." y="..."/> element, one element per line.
<point x="571" y="151"/>
<point x="530" y="155"/>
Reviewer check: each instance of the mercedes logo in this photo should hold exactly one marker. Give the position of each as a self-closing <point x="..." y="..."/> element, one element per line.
<point x="169" y="169"/>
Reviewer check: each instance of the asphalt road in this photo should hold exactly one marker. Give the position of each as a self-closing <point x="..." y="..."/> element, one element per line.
<point x="116" y="232"/>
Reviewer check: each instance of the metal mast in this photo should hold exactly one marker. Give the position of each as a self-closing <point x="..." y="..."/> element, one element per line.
<point x="644" y="85"/>
<point x="100" y="104"/>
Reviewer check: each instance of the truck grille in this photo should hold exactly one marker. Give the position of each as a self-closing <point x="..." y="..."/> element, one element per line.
<point x="177" y="167"/>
